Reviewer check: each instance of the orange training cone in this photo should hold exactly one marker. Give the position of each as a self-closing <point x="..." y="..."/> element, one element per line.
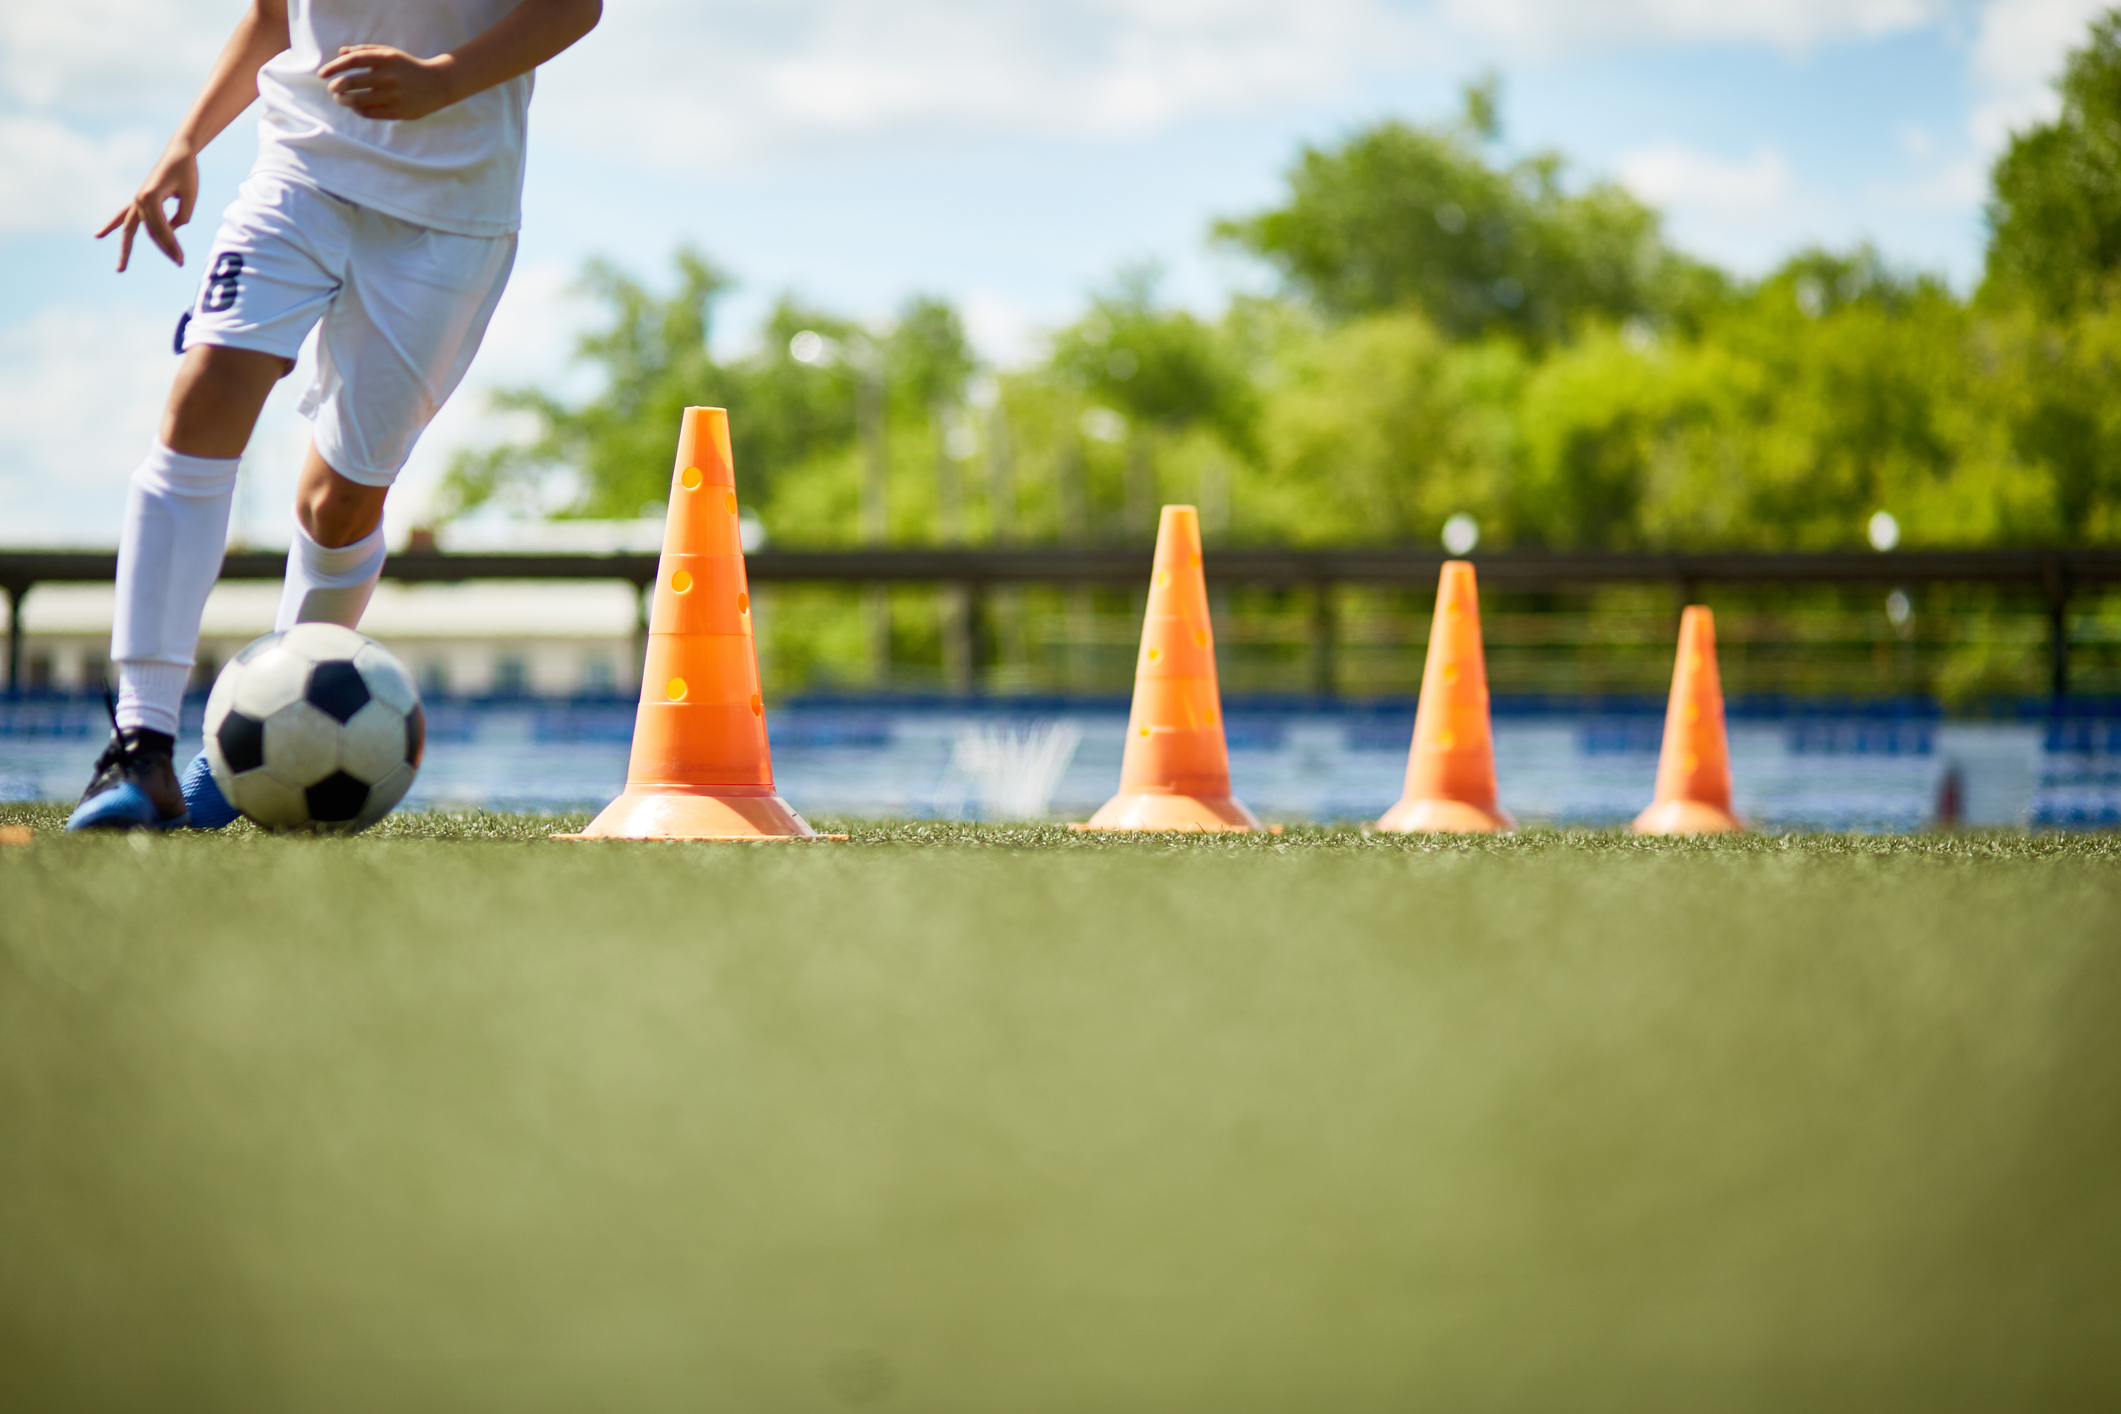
<point x="1176" y="773"/>
<point x="1694" y="767"/>
<point x="701" y="768"/>
<point x="1451" y="769"/>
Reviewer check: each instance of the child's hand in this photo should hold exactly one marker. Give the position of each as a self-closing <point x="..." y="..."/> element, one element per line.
<point x="176" y="175"/>
<point x="377" y="81"/>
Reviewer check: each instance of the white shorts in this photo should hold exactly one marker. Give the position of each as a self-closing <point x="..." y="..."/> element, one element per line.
<point x="403" y="309"/>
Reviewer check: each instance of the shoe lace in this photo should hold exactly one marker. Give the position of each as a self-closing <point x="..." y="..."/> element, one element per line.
<point x="120" y="752"/>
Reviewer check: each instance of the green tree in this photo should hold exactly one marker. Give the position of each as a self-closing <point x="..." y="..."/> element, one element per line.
<point x="927" y="359"/>
<point x="1377" y="429"/>
<point x="654" y="354"/>
<point x="1430" y="218"/>
<point x="1166" y="371"/>
<point x="2055" y="206"/>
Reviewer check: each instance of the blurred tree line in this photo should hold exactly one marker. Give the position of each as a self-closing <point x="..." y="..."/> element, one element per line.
<point x="1457" y="331"/>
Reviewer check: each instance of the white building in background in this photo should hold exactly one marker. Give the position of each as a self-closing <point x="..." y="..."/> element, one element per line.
<point x="547" y="638"/>
<point x="505" y="637"/>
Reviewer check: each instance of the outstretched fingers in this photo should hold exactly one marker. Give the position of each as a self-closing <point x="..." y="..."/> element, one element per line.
<point x="129" y="219"/>
<point x="160" y="231"/>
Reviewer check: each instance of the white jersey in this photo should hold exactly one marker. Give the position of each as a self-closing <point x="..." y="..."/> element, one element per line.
<point x="459" y="170"/>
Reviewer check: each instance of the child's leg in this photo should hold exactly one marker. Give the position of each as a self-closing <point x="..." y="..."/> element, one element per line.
<point x="271" y="272"/>
<point x="337" y="554"/>
<point x="176" y="527"/>
<point x="394" y="345"/>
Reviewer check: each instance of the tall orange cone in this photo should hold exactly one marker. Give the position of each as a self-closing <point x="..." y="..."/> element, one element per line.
<point x="1451" y="769"/>
<point x="1694" y="766"/>
<point x="1176" y="773"/>
<point x="701" y="768"/>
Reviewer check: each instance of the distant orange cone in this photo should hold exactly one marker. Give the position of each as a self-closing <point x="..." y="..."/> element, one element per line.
<point x="1176" y="773"/>
<point x="701" y="768"/>
<point x="1451" y="769"/>
<point x="1694" y="767"/>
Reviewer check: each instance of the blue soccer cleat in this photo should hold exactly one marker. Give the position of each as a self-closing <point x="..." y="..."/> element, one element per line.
<point x="135" y="785"/>
<point x="209" y="809"/>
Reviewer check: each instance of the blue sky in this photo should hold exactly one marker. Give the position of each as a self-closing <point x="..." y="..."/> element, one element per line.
<point x="1008" y="154"/>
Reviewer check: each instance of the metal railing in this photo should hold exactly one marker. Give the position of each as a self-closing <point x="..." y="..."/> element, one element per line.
<point x="2055" y="575"/>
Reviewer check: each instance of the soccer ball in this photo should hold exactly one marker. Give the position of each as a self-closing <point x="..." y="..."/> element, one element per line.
<point x="318" y="728"/>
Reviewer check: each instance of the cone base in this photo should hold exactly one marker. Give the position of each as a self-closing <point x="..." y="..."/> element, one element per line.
<point x="1146" y="810"/>
<point x="695" y="815"/>
<point x="1686" y="817"/>
<point x="1445" y="817"/>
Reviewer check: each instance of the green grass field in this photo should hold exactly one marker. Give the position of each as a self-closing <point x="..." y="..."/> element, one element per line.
<point x="450" y="1117"/>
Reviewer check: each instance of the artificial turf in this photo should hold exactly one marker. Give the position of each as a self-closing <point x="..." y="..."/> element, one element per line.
<point x="947" y="1118"/>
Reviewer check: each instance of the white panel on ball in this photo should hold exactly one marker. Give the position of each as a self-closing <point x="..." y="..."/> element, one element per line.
<point x="268" y="682"/>
<point x="386" y="677"/>
<point x="271" y="802"/>
<point x="372" y="743"/>
<point x="320" y="643"/>
<point x="301" y="745"/>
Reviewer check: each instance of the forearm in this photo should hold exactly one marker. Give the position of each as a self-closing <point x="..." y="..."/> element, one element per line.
<point x="526" y="37"/>
<point x="233" y="85"/>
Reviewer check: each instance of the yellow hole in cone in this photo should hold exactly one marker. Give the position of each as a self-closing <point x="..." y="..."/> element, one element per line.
<point x="1163" y="578"/>
<point x="1193" y="560"/>
<point x="758" y="707"/>
<point x="1446" y="740"/>
<point x="743" y="603"/>
<point x="690" y="478"/>
<point x="1145" y="731"/>
<point x="1692" y="712"/>
<point x="674" y="689"/>
<point x="1450" y="672"/>
<point x="1692" y="763"/>
<point x="1452" y="609"/>
<point x="1155" y="653"/>
<point x="1200" y="638"/>
<point x="680" y="582"/>
<point x="731" y="502"/>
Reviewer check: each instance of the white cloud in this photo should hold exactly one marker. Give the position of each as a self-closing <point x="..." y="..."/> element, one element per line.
<point x="1674" y="176"/>
<point x="53" y="177"/>
<point x="79" y="393"/>
<point x="701" y="84"/>
<point x="1550" y="26"/>
<point x="1954" y="187"/>
<point x="706" y="85"/>
<point x="2018" y="53"/>
<point x="1003" y="330"/>
<point x="1744" y="212"/>
<point x="93" y="56"/>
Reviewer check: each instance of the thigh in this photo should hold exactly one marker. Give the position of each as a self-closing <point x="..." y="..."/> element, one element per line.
<point x="272" y="271"/>
<point x="215" y="401"/>
<point x="399" y="338"/>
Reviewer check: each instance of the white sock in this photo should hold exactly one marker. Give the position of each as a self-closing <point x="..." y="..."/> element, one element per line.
<point x="327" y="585"/>
<point x="169" y="555"/>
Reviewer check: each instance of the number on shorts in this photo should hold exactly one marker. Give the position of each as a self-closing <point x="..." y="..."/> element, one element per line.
<point x="222" y="281"/>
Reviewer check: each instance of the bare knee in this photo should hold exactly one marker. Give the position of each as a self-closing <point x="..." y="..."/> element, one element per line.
<point x="332" y="510"/>
<point x="215" y="400"/>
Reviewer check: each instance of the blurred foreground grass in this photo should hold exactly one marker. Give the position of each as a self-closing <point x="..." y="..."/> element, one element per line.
<point x="450" y="1117"/>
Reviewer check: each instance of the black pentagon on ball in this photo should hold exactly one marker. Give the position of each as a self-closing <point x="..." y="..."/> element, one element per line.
<point x="242" y="742"/>
<point x="336" y="799"/>
<point x="415" y="736"/>
<point x="337" y="690"/>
